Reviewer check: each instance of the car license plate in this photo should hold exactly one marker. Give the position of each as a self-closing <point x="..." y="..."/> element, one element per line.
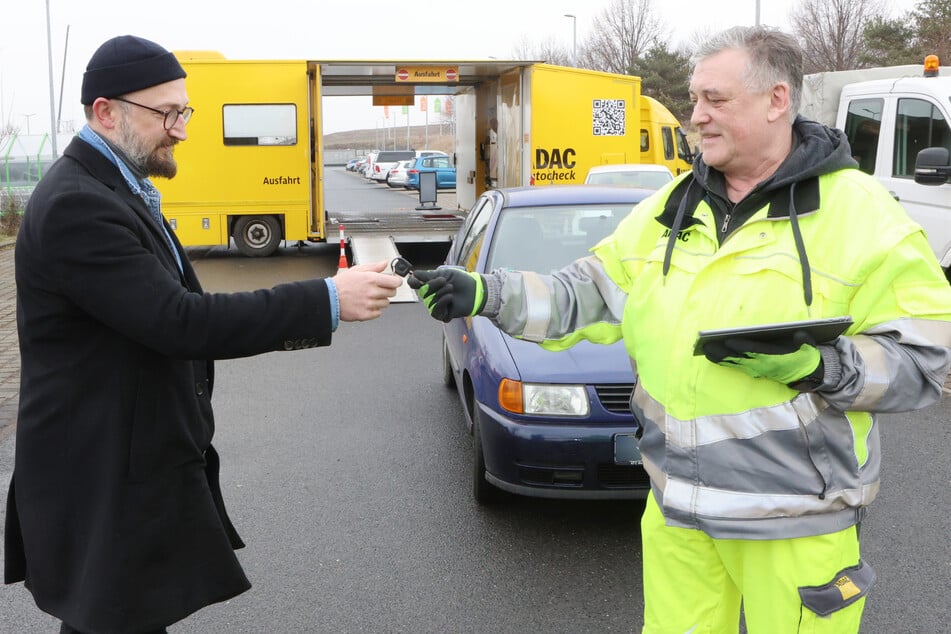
<point x="625" y="449"/>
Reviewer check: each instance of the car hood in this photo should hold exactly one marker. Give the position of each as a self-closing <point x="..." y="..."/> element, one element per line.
<point x="585" y="362"/>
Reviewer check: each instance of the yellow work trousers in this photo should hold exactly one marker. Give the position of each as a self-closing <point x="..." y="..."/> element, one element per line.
<point x="695" y="584"/>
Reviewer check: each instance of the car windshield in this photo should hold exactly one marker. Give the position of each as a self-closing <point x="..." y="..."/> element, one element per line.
<point x="648" y="180"/>
<point x="544" y="239"/>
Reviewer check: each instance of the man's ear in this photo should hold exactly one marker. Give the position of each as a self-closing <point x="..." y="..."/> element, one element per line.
<point x="104" y="112"/>
<point x="778" y="102"/>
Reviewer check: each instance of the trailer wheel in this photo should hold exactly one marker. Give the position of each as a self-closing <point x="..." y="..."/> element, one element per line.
<point x="257" y="236"/>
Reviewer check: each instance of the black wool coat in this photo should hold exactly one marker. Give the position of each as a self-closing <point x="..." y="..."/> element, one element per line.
<point x="114" y="519"/>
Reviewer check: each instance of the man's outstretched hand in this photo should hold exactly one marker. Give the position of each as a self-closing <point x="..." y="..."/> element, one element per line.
<point x="364" y="290"/>
<point x="449" y="292"/>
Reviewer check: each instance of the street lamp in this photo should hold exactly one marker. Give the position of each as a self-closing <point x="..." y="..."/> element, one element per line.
<point x="574" y="38"/>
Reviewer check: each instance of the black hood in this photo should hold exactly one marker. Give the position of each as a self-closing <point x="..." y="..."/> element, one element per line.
<point x="791" y="191"/>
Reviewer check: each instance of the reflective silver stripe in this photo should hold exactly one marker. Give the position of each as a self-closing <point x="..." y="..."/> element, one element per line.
<point x="710" y="502"/>
<point x="875" y="372"/>
<point x="614" y="296"/>
<point x="916" y="331"/>
<point x="657" y="476"/>
<point x="675" y="454"/>
<point x="538" y="307"/>
<point x="708" y="430"/>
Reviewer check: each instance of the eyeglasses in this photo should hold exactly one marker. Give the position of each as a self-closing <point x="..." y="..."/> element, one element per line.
<point x="170" y="116"/>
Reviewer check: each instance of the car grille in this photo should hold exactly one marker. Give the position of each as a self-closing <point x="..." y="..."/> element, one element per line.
<point x="609" y="476"/>
<point x="617" y="476"/>
<point x="615" y="397"/>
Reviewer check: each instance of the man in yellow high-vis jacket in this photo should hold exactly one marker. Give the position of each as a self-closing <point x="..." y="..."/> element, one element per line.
<point x="763" y="456"/>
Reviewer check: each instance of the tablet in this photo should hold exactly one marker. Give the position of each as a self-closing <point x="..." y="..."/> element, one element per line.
<point x="821" y="331"/>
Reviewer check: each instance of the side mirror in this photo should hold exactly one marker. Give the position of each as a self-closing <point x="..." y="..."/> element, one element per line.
<point x="933" y="166"/>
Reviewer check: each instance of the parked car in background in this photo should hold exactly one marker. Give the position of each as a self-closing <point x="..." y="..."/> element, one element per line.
<point x="546" y="424"/>
<point x="441" y="165"/>
<point x="630" y="175"/>
<point x="398" y="174"/>
<point x="352" y="164"/>
<point x="388" y="158"/>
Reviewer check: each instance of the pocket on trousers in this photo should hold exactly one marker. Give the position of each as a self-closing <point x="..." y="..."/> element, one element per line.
<point x="847" y="587"/>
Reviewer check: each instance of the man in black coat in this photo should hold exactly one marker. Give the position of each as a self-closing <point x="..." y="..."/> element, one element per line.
<point x="115" y="520"/>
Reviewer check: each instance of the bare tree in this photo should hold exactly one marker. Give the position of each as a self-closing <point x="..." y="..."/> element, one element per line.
<point x="624" y="31"/>
<point x="832" y="32"/>
<point x="549" y="51"/>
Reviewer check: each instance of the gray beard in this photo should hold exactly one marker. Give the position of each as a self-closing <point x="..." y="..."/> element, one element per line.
<point x="140" y="159"/>
<point x="137" y="170"/>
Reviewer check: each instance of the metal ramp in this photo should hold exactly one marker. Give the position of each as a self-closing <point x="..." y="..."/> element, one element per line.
<point x="373" y="247"/>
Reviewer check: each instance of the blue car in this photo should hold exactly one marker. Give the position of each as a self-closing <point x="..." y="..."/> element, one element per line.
<point x="544" y="424"/>
<point x="441" y="165"/>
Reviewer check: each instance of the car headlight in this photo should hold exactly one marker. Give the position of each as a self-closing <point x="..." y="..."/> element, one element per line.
<point x="543" y="398"/>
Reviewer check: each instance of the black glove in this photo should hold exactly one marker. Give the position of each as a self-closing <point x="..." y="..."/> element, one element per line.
<point x="449" y="292"/>
<point x="788" y="361"/>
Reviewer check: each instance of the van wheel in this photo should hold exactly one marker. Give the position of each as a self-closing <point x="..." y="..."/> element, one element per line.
<point x="483" y="492"/>
<point x="257" y="236"/>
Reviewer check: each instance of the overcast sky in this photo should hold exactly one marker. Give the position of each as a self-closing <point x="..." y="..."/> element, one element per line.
<point x="445" y="30"/>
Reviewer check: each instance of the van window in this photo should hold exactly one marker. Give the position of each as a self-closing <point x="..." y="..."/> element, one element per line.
<point x="918" y="125"/>
<point x="862" y="123"/>
<point x="395" y="156"/>
<point x="668" y="137"/>
<point x="683" y="147"/>
<point x="436" y="161"/>
<point x="645" y="140"/>
<point x="259" y="124"/>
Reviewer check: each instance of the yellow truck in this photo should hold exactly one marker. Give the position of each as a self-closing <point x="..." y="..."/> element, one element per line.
<point x="252" y="169"/>
<point x="557" y="122"/>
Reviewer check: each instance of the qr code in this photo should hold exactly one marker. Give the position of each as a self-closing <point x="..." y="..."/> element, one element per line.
<point x="607" y="117"/>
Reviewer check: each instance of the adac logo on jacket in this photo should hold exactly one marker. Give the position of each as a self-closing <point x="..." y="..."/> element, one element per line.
<point x="683" y="236"/>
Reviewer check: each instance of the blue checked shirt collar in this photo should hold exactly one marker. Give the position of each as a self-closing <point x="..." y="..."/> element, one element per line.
<point x="142" y="188"/>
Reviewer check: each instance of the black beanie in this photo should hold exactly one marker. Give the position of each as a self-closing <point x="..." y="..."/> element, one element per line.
<point x="125" y="64"/>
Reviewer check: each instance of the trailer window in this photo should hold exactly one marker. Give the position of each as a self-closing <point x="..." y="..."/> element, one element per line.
<point x="260" y="124"/>
<point x="918" y="125"/>
<point x="862" y="123"/>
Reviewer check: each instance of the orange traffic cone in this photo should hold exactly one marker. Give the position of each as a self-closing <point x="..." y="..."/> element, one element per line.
<point x="342" y="262"/>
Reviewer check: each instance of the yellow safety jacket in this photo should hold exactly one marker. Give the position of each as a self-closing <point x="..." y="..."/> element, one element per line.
<point x="731" y="455"/>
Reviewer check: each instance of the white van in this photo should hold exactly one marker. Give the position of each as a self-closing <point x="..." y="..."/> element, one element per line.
<point x="890" y="116"/>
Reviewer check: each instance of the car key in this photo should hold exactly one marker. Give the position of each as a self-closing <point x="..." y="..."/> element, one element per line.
<point x="401" y="266"/>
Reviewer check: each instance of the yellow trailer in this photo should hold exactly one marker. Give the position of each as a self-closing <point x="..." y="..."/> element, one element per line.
<point x="249" y="163"/>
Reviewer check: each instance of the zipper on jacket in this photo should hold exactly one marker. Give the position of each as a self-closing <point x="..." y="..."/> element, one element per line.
<point x="725" y="226"/>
